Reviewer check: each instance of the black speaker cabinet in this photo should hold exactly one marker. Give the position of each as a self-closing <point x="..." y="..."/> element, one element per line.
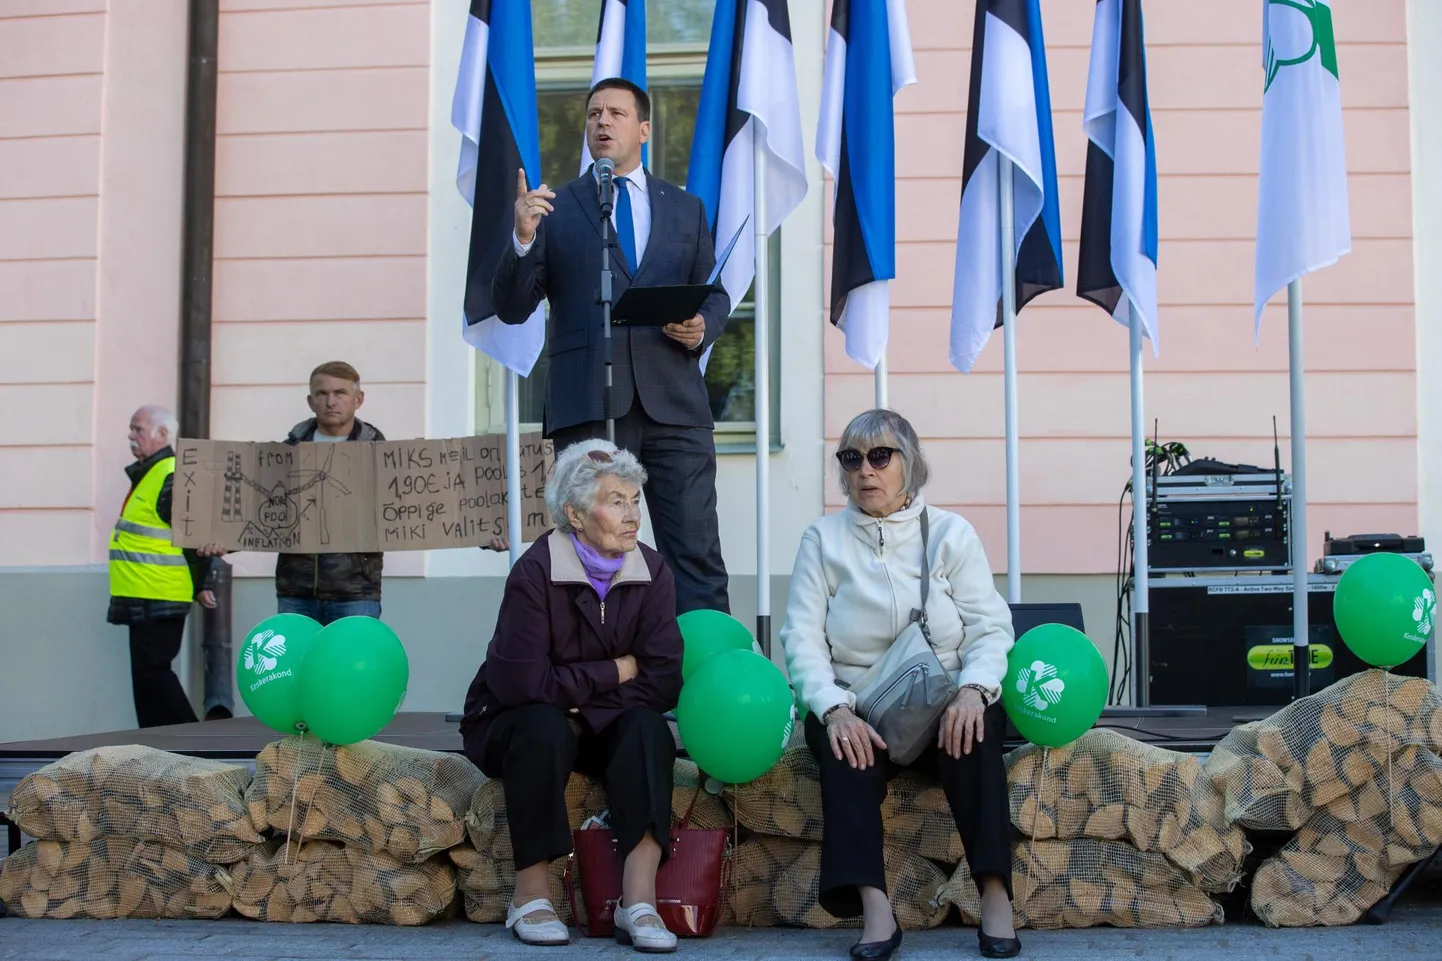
<point x="1227" y="641"/>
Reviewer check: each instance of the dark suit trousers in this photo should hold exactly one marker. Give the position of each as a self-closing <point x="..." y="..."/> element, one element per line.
<point x="159" y="698"/>
<point x="533" y="750"/>
<point x="851" y="832"/>
<point x="680" y="465"/>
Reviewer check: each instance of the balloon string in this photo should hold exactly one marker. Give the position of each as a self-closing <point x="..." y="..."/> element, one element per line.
<point x="1387" y="722"/>
<point x="1036" y="811"/>
<point x="295" y="780"/>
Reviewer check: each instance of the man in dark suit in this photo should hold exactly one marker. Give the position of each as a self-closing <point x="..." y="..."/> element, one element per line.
<point x="658" y="398"/>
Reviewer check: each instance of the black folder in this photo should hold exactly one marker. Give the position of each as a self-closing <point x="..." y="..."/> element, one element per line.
<point x="672" y="303"/>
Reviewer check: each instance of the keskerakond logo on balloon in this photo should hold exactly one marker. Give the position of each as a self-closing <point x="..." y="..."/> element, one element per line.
<point x="262" y="654"/>
<point x="1424" y="613"/>
<point x="1040" y="688"/>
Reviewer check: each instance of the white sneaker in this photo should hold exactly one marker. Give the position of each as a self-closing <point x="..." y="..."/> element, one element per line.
<point x="536" y="922"/>
<point x="642" y="928"/>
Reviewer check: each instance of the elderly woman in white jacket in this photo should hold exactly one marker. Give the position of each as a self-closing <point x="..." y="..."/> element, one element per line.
<point x="856" y="580"/>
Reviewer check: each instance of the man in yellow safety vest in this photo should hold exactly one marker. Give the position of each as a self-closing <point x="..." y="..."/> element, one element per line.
<point x="153" y="582"/>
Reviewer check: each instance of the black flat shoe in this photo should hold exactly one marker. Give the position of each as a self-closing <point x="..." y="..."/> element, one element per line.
<point x="998" y="947"/>
<point x="877" y="950"/>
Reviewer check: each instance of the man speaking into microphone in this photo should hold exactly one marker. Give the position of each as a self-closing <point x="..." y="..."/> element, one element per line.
<point x="658" y="396"/>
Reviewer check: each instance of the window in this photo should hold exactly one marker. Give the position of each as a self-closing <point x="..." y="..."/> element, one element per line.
<point x="565" y="36"/>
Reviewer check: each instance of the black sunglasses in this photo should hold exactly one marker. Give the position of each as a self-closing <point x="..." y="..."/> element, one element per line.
<point x="877" y="457"/>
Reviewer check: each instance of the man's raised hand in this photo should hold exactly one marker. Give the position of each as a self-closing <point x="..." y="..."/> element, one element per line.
<point x="531" y="206"/>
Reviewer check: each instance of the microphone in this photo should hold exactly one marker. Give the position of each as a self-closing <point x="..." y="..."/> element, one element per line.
<point x="606" y="183"/>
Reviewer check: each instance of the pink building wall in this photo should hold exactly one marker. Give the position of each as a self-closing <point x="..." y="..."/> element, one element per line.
<point x="1210" y="387"/>
<point x="321" y="238"/>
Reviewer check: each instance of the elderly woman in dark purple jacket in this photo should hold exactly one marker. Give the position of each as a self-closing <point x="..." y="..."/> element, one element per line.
<point x="585" y="658"/>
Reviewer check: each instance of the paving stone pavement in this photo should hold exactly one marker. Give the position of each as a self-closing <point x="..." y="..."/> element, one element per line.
<point x="1414" y="932"/>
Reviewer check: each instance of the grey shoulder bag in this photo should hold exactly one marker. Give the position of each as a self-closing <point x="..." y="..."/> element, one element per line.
<point x="907" y="690"/>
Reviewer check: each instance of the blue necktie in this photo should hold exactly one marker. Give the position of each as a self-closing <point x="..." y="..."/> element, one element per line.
<point x="625" y="226"/>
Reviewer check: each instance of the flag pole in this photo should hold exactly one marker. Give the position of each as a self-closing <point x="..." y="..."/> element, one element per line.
<point x="761" y="392"/>
<point x="880" y="374"/>
<point x="1302" y="664"/>
<point x="1141" y="583"/>
<point x="513" y="464"/>
<point x="1008" y="318"/>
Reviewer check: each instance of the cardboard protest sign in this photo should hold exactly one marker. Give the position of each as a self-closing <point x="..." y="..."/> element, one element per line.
<point x="406" y="495"/>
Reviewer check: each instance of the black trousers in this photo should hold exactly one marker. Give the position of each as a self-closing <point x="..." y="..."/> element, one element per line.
<point x="851" y="834"/>
<point x="159" y="698"/>
<point x="680" y="465"/>
<point x="533" y="750"/>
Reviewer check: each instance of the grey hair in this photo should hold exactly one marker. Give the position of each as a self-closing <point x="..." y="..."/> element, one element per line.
<point x="887" y="428"/>
<point x="577" y="476"/>
<point x="158" y="417"/>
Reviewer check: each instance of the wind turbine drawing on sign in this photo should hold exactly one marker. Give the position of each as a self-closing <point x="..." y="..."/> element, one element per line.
<point x="278" y="510"/>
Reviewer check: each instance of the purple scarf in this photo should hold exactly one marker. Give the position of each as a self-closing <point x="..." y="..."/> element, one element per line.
<point x="600" y="570"/>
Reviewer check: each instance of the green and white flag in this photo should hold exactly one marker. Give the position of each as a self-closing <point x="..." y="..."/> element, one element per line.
<point x="1302" y="221"/>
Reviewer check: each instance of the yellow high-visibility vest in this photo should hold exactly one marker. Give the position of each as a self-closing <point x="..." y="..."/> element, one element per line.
<point x="143" y="562"/>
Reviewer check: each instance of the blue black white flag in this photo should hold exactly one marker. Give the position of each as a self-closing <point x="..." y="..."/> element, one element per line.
<point x="494" y="108"/>
<point x="1118" y="261"/>
<point x="1008" y="115"/>
<point x="868" y="59"/>
<point x="748" y="96"/>
<point x="620" y="52"/>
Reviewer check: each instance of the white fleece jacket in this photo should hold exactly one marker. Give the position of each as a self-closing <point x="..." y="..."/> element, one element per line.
<point x="854" y="585"/>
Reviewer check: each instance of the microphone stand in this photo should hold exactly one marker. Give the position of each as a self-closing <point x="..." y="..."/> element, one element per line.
<point x="608" y="198"/>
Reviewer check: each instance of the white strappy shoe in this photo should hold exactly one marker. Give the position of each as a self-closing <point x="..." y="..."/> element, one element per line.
<point x="642" y="928"/>
<point x="538" y="930"/>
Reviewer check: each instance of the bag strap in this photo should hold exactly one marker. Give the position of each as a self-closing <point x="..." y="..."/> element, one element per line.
<point x="918" y="616"/>
<point x="690" y="808"/>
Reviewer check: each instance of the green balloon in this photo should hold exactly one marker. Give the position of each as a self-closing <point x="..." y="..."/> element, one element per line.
<point x="268" y="669"/>
<point x="735" y="716"/>
<point x="704" y="633"/>
<point x="354" y="680"/>
<point x="1385" y="608"/>
<point x="1055" y="686"/>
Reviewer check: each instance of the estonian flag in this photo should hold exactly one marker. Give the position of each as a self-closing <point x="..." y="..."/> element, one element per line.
<point x="494" y="108"/>
<point x="1118" y="261"/>
<point x="868" y="59"/>
<point x="748" y="93"/>
<point x="1008" y="114"/>
<point x="620" y="52"/>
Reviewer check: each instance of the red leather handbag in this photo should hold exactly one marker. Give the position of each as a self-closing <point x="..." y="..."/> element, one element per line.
<point x="688" y="886"/>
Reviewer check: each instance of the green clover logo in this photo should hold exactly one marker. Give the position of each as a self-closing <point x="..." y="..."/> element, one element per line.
<point x="1039" y="686"/>
<point x="1291" y="40"/>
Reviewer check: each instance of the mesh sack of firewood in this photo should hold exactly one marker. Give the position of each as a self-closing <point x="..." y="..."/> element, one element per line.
<point x="748" y="894"/>
<point x="1274" y="773"/>
<point x="326" y="881"/>
<point x="911" y="880"/>
<point x="383" y="798"/>
<point x="785" y="802"/>
<point x="1111" y="787"/>
<point x="1085" y="882"/>
<point x="1347" y="856"/>
<point x="488" y="884"/>
<point x="140" y="793"/>
<point x="488" y="827"/>
<point x="108" y="878"/>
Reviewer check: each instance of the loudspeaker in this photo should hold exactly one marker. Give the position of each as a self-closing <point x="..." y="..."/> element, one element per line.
<point x="1227" y="641"/>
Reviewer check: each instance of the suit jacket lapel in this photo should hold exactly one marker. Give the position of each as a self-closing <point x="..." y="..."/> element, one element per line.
<point x="584" y="190"/>
<point x="660" y="197"/>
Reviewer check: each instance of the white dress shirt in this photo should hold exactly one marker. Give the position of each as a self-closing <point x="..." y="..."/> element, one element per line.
<point x="640" y="215"/>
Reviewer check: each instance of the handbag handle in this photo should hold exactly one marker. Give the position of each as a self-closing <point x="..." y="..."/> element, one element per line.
<point x="918" y="616"/>
<point x="690" y="808"/>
